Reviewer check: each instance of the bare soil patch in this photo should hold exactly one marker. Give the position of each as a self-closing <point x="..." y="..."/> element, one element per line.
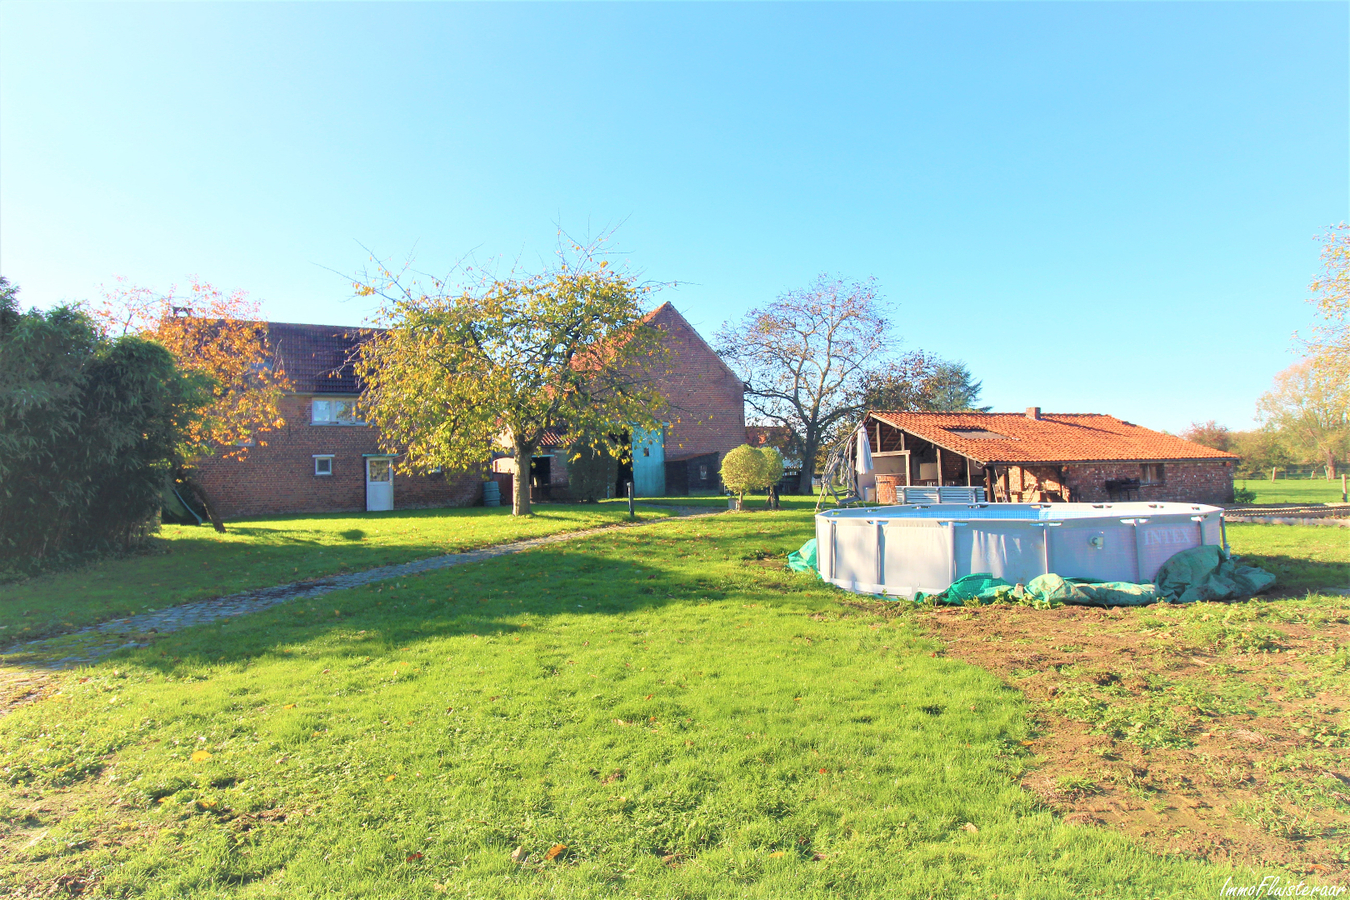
<point x="19" y="687"/>
<point x="1215" y="731"/>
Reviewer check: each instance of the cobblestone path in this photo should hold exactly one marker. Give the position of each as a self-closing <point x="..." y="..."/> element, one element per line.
<point x="97" y="641"/>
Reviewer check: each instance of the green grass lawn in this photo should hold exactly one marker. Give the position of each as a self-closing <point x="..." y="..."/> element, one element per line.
<point x="1283" y="490"/>
<point x="662" y="712"/>
<point x="1303" y="557"/>
<point x="719" y="501"/>
<point x="192" y="562"/>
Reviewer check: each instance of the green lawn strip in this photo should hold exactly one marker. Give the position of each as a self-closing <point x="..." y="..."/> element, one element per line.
<point x="1302" y="557"/>
<point x="684" y="716"/>
<point x="753" y="502"/>
<point x="1283" y="490"/>
<point x="192" y="563"/>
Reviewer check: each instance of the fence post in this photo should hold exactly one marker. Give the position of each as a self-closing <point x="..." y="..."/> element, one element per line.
<point x="1343" y="486"/>
<point x="630" y="500"/>
<point x="1272" y="473"/>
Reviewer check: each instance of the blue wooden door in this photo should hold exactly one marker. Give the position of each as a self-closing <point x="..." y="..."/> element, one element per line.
<point x="649" y="462"/>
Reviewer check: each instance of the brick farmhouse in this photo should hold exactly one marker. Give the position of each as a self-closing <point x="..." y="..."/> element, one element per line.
<point x="704" y="419"/>
<point x="323" y="459"/>
<point x="1038" y="457"/>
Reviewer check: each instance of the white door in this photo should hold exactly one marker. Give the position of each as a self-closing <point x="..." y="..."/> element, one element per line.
<point x="379" y="484"/>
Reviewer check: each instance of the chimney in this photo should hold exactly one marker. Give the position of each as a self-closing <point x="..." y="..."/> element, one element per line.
<point x="1033" y="412"/>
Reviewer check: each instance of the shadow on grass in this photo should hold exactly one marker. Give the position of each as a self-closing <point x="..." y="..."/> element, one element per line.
<point x="199" y="565"/>
<point x="607" y="575"/>
<point x="1296" y="576"/>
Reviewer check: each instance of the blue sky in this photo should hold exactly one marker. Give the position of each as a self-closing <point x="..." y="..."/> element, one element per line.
<point x="1099" y="207"/>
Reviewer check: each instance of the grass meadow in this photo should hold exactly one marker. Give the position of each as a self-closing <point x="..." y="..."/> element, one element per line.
<point x="190" y="562"/>
<point x="1285" y="490"/>
<point x="652" y="712"/>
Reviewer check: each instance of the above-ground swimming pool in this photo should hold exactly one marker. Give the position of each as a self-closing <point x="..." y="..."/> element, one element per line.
<point x="901" y="550"/>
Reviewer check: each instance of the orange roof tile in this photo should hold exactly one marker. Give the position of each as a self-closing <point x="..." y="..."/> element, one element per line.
<point x="1053" y="438"/>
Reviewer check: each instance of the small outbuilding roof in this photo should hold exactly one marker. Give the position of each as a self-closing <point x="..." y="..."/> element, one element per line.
<point x="1035" y="437"/>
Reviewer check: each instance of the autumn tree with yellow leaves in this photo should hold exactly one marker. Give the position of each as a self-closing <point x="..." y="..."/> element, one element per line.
<point x="506" y="360"/>
<point x="1330" y="339"/>
<point x="214" y="335"/>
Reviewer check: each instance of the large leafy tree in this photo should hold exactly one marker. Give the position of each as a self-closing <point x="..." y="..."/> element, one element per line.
<point x="1330" y="341"/>
<point x="1309" y="405"/>
<point x="1209" y="434"/>
<point x="805" y="357"/>
<point x="222" y="338"/>
<point x="921" y="382"/>
<point x="89" y="428"/>
<point x="507" y="359"/>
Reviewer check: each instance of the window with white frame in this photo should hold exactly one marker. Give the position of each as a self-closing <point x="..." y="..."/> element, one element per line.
<point x="333" y="412"/>
<point x="323" y="464"/>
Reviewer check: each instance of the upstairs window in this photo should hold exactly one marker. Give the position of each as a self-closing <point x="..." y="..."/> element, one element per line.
<point x="1151" y="473"/>
<point x="334" y="412"/>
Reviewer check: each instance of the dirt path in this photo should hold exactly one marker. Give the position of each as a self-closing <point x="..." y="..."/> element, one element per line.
<point x="94" y="642"/>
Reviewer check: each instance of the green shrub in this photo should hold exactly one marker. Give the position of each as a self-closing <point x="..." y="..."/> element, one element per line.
<point x="89" y="428"/>
<point x="747" y="469"/>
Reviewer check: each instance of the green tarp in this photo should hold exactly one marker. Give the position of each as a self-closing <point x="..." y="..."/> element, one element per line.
<point x="804" y="560"/>
<point x="1207" y="573"/>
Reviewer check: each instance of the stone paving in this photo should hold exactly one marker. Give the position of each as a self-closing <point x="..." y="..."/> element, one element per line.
<point x="94" y="642"/>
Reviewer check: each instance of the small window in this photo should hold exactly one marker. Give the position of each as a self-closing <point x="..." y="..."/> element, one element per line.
<point x="1151" y="473"/>
<point x="646" y="451"/>
<point x="702" y="473"/>
<point x="323" y="465"/>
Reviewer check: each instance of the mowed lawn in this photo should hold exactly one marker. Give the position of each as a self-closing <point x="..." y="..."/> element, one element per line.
<point x="1284" y="490"/>
<point x="1303" y="557"/>
<point x="653" y="712"/>
<point x="193" y="562"/>
<point x="753" y="502"/>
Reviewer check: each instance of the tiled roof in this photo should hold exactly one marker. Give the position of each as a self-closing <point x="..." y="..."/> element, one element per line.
<point x="1052" y="438"/>
<point x="318" y="359"/>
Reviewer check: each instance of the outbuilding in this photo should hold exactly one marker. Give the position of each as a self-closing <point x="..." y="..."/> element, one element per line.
<point x="1044" y="457"/>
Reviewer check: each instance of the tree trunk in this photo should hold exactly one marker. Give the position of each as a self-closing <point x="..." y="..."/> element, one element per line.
<point x="520" y="502"/>
<point x="810" y="447"/>
<point x="200" y="493"/>
<point x="1331" y="465"/>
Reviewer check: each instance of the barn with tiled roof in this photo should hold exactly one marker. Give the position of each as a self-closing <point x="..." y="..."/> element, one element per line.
<point x="1035" y="456"/>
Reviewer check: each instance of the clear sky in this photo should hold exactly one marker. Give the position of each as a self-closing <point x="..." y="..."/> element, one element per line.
<point x="1099" y="207"/>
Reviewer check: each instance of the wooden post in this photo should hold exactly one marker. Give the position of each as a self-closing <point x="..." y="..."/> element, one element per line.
<point x="1343" y="485"/>
<point x="939" y="464"/>
<point x="631" y="514"/>
<point x="1272" y="473"/>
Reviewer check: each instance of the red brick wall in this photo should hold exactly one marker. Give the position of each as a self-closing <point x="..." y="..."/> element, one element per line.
<point x="707" y="401"/>
<point x="1197" y="481"/>
<point x="279" y="478"/>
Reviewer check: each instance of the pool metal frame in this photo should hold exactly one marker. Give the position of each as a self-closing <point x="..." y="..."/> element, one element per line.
<point x="900" y="550"/>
